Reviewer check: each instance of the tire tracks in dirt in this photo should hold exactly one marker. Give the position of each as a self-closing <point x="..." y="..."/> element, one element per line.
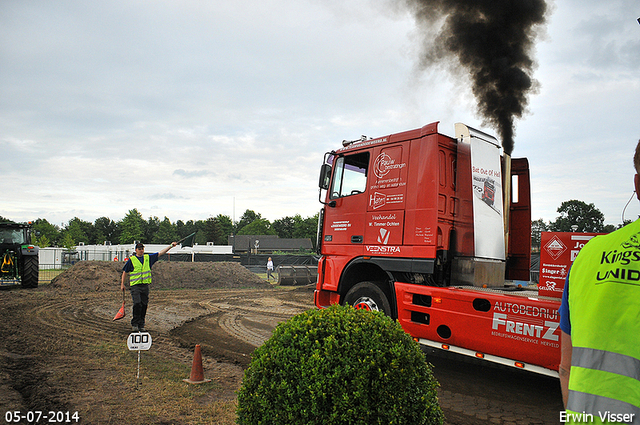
<point x="240" y="322"/>
<point x="229" y="324"/>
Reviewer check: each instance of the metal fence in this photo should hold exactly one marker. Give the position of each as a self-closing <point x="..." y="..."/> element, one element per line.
<point x="49" y="271"/>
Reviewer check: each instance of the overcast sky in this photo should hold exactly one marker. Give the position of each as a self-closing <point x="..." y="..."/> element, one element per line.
<point x="189" y="109"/>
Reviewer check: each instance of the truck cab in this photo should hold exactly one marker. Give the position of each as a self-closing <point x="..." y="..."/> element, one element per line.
<point x="432" y="230"/>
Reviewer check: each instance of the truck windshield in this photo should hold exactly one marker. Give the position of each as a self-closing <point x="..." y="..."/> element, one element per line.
<point x="350" y="176"/>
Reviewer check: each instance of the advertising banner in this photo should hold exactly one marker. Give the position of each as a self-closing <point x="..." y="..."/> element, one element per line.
<point x="487" y="200"/>
<point x="388" y="182"/>
<point x="558" y="250"/>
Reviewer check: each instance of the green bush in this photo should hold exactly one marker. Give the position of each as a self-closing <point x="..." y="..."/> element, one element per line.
<point x="339" y="366"/>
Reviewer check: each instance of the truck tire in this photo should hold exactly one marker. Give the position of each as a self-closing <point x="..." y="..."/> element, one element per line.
<point x="30" y="271"/>
<point x="368" y="296"/>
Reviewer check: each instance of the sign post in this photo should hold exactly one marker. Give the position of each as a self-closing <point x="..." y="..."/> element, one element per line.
<point x="139" y="341"/>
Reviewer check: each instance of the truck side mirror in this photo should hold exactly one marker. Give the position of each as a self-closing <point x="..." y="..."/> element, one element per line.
<point x="325" y="176"/>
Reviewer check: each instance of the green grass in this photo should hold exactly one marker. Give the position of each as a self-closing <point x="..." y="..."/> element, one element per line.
<point x="47" y="275"/>
<point x="160" y="394"/>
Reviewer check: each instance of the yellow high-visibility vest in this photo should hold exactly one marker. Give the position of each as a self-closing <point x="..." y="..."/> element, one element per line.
<point x="141" y="273"/>
<point x="604" y="309"/>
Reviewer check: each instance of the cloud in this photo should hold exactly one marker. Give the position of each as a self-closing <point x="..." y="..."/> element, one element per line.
<point x="201" y="108"/>
<point x="169" y="196"/>
<point x="191" y="174"/>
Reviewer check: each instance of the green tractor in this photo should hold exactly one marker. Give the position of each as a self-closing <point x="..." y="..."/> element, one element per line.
<point x="18" y="257"/>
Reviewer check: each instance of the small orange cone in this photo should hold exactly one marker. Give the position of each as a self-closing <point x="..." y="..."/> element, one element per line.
<point x="120" y="314"/>
<point x="197" y="374"/>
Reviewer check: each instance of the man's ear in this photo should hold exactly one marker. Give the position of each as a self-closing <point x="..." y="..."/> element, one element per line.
<point x="636" y="183"/>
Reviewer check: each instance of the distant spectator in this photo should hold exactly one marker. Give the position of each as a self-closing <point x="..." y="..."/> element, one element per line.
<point x="270" y="269"/>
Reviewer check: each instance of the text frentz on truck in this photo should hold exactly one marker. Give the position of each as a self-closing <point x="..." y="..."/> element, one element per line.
<point x="413" y="224"/>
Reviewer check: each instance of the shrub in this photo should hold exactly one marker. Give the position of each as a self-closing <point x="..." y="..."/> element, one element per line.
<point x="339" y="366"/>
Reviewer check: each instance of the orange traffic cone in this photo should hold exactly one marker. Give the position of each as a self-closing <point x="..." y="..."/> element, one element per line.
<point x="120" y="314"/>
<point x="197" y="374"/>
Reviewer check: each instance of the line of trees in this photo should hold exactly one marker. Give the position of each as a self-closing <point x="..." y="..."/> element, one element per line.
<point x="575" y="216"/>
<point x="133" y="227"/>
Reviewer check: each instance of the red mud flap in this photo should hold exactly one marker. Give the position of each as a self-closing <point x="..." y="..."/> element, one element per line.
<point x="324" y="299"/>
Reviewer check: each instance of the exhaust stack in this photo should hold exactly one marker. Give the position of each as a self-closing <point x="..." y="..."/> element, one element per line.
<point x="506" y="182"/>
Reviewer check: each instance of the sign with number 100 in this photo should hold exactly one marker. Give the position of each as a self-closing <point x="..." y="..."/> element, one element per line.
<point x="139" y="341"/>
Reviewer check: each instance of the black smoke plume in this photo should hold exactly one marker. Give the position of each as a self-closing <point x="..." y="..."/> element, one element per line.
<point x="493" y="41"/>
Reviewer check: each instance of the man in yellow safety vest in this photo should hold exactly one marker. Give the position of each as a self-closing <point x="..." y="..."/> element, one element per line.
<point x="600" y="323"/>
<point x="138" y="267"/>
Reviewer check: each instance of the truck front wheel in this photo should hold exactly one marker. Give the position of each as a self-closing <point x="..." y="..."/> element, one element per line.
<point x="368" y="296"/>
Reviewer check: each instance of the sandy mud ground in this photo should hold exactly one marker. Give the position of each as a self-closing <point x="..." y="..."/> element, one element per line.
<point x="60" y="351"/>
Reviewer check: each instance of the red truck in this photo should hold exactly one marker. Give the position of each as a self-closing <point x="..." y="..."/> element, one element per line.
<point x="414" y="224"/>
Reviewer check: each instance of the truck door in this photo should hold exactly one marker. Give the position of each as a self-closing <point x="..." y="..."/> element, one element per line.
<point x="387" y="195"/>
<point x="344" y="222"/>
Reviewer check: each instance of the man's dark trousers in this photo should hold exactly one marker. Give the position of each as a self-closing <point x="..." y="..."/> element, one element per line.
<point x="140" y="296"/>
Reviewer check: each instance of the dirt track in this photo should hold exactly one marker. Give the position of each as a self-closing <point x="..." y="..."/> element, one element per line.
<point x="61" y="351"/>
